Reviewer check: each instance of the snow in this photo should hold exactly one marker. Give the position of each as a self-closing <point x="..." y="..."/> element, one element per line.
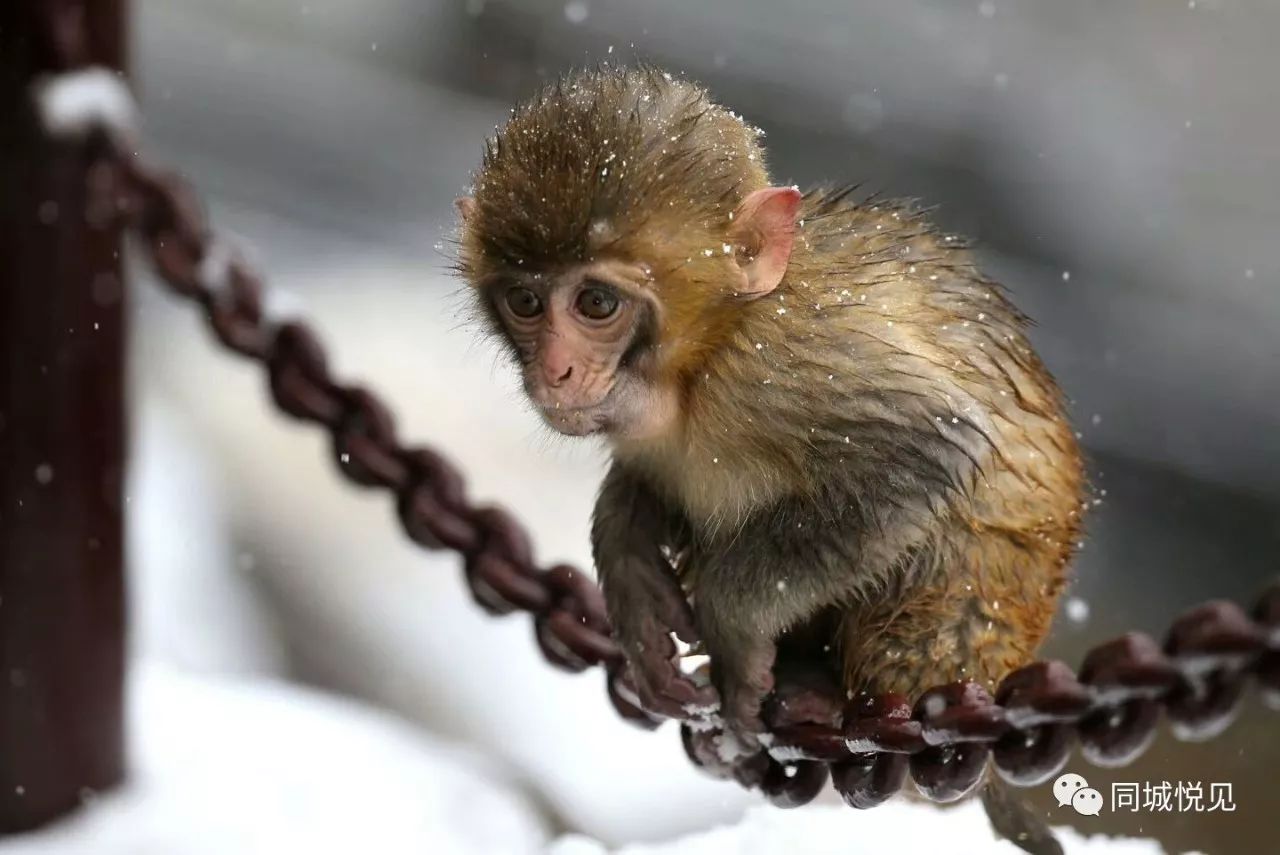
<point x="261" y="767"/>
<point x="576" y="11"/>
<point x="899" y="826"/>
<point x="1077" y="610"/>
<point x="193" y="603"/>
<point x="71" y="104"/>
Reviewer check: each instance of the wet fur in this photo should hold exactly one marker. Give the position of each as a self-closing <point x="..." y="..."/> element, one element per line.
<point x="886" y="403"/>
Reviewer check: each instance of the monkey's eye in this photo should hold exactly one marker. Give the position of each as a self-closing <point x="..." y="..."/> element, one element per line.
<point x="523" y="303"/>
<point x="597" y="303"/>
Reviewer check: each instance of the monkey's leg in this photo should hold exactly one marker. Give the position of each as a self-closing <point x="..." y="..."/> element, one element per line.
<point x="976" y="607"/>
<point x="772" y="574"/>
<point x="741" y="665"/>
<point x="981" y="609"/>
<point x="644" y="598"/>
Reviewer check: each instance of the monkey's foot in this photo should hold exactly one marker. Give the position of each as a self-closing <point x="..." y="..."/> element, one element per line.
<point x="743" y="688"/>
<point x="802" y="695"/>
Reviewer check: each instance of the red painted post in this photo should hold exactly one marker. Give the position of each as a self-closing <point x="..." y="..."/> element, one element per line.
<point x="62" y="434"/>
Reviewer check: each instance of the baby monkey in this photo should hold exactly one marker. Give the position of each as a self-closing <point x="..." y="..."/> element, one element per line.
<point x="822" y="406"/>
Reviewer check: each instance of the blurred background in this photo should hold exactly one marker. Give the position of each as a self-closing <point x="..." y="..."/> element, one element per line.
<point x="1118" y="164"/>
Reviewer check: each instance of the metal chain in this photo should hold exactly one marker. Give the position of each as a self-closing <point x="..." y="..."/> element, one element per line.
<point x="866" y="745"/>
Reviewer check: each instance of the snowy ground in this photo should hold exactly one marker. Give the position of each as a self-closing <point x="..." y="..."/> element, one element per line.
<point x="257" y="767"/>
<point x="834" y="830"/>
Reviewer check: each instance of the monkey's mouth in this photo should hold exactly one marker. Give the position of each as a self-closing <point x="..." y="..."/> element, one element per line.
<point x="576" y="414"/>
<point x="579" y="421"/>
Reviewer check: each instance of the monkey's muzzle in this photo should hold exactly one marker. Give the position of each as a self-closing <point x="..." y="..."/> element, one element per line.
<point x="573" y="410"/>
<point x="581" y="421"/>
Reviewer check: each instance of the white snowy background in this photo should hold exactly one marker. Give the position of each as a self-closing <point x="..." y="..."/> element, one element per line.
<point x="306" y="680"/>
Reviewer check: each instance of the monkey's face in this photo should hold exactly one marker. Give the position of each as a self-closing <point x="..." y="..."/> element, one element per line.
<point x="584" y="337"/>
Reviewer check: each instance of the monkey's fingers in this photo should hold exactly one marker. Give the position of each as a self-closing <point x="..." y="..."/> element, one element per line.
<point x="670" y="606"/>
<point x="661" y="685"/>
<point x="679" y="618"/>
<point x="674" y="695"/>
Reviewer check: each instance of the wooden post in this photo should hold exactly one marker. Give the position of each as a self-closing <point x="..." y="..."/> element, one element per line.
<point x="61" y="434"/>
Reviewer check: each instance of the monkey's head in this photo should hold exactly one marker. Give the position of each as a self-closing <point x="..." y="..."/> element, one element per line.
<point x="618" y="222"/>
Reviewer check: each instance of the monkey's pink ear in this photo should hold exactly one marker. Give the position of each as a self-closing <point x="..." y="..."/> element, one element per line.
<point x="765" y="222"/>
<point x="466" y="207"/>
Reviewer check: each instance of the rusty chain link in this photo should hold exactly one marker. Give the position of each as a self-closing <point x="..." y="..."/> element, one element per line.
<point x="867" y="745"/>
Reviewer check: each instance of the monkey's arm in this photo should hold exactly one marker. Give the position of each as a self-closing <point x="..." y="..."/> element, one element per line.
<point x="645" y="601"/>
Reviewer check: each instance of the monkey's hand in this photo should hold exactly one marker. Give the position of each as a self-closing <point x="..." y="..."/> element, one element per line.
<point x="655" y="610"/>
<point x="646" y="604"/>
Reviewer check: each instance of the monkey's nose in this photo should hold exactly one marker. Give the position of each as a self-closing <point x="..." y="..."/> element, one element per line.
<point x="555" y="384"/>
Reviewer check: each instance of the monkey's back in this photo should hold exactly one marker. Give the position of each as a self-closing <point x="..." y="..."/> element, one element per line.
<point x="891" y="384"/>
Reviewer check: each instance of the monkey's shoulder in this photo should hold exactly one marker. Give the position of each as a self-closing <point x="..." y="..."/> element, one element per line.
<point x="836" y="223"/>
<point x="890" y="256"/>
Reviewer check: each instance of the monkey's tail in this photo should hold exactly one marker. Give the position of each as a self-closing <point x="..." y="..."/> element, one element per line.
<point x="1015" y="820"/>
